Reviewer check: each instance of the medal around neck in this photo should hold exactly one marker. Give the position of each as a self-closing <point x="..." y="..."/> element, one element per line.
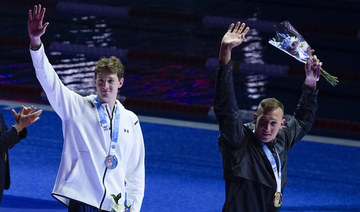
<point x="278" y="198"/>
<point x="111" y="162"/>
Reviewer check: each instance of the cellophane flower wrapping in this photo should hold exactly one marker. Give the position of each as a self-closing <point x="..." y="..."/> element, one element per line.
<point x="288" y="40"/>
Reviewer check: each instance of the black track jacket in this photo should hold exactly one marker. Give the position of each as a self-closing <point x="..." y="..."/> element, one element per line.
<point x="249" y="180"/>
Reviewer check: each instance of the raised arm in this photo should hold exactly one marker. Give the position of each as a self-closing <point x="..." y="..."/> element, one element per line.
<point x="307" y="106"/>
<point x="225" y="106"/>
<point x="304" y="115"/>
<point x="61" y="98"/>
<point x="36" y="28"/>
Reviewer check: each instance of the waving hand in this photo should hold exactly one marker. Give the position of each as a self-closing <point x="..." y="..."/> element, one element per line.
<point x="36" y="28"/>
<point x="233" y="37"/>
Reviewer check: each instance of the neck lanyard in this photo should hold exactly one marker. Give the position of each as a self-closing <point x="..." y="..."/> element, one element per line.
<point x="272" y="161"/>
<point x="104" y="124"/>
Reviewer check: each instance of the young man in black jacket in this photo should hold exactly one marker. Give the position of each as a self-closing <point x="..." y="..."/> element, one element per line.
<point x="255" y="154"/>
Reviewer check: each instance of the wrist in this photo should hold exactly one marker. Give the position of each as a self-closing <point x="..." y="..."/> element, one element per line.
<point x="310" y="83"/>
<point x="35" y="43"/>
<point x="225" y="53"/>
<point x="17" y="128"/>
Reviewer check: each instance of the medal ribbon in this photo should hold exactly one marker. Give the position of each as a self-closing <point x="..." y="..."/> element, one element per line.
<point x="272" y="161"/>
<point x="104" y="124"/>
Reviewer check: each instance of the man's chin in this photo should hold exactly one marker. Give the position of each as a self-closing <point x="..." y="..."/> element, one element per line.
<point x="266" y="139"/>
<point x="104" y="99"/>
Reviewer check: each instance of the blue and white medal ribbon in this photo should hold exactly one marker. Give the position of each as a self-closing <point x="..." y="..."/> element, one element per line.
<point x="111" y="161"/>
<point x="277" y="174"/>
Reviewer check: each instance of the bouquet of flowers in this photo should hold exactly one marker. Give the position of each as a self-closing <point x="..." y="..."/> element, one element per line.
<point x="288" y="40"/>
<point x="119" y="207"/>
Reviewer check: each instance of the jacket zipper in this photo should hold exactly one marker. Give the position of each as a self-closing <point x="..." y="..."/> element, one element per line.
<point x="103" y="180"/>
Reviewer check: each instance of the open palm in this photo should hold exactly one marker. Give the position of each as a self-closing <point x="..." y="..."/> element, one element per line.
<point x="36" y="28"/>
<point x="235" y="35"/>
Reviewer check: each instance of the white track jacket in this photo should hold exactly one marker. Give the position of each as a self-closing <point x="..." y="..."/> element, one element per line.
<point x="82" y="173"/>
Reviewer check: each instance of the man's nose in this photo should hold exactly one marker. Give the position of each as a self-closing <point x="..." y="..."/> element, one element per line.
<point x="105" y="85"/>
<point x="268" y="126"/>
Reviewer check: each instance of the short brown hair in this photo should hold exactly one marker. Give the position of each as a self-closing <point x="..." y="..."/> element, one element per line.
<point x="269" y="104"/>
<point x="111" y="64"/>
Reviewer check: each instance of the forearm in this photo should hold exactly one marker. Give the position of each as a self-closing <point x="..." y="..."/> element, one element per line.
<point x="135" y="174"/>
<point x="225" y="54"/>
<point x="310" y="83"/>
<point x="135" y="190"/>
<point x="11" y="137"/>
<point x="225" y="106"/>
<point x="46" y="75"/>
<point x="60" y="97"/>
<point x="307" y="106"/>
<point x="225" y="99"/>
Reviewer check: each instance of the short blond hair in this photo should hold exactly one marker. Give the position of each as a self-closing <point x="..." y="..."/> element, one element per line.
<point x="111" y="64"/>
<point x="269" y="104"/>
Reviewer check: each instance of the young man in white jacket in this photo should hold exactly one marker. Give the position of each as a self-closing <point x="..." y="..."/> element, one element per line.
<point x="103" y="152"/>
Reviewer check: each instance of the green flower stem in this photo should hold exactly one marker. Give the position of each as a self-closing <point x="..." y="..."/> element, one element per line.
<point x="330" y="78"/>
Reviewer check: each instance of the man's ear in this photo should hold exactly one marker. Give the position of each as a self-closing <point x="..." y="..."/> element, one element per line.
<point x="121" y="82"/>
<point x="283" y="122"/>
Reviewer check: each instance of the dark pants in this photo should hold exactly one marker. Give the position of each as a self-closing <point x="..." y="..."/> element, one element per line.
<point x="76" y="206"/>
